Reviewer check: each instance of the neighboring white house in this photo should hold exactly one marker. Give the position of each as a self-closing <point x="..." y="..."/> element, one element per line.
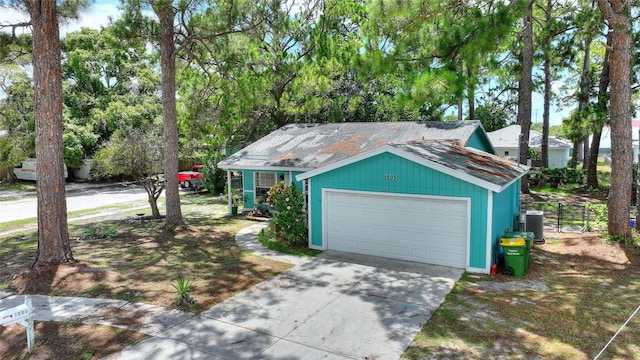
<point x="506" y="143"/>
<point x="605" y="140"/>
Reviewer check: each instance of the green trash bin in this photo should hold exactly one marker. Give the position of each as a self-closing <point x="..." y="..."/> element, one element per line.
<point x="515" y="251"/>
<point x="528" y="237"/>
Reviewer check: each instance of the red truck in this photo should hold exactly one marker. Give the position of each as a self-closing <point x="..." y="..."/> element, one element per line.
<point x="191" y="179"/>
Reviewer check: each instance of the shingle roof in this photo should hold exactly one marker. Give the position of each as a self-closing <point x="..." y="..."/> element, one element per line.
<point x="471" y="162"/>
<point x="310" y="146"/>
<point x="508" y="138"/>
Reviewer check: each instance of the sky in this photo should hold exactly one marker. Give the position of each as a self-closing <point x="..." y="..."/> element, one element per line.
<point x="96" y="16"/>
<point x="556" y="114"/>
<point x="101" y="11"/>
<point x="537" y="107"/>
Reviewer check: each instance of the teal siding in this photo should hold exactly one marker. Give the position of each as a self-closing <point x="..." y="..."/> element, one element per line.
<point x="299" y="184"/>
<point x="247" y="181"/>
<point x="480" y="141"/>
<point x="506" y="206"/>
<point x="410" y="178"/>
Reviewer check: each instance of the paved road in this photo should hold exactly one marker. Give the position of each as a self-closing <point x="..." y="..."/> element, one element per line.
<point x="78" y="198"/>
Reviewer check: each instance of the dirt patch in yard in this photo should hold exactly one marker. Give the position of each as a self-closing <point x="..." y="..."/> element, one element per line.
<point x="578" y="291"/>
<point x="63" y="340"/>
<point x="139" y="264"/>
<point x="589" y="245"/>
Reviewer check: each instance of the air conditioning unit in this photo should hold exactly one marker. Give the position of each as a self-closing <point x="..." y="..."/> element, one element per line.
<point x="534" y="223"/>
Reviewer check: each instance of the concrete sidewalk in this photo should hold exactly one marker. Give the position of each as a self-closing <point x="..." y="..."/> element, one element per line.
<point x="247" y="239"/>
<point x="334" y="306"/>
<point x="148" y="319"/>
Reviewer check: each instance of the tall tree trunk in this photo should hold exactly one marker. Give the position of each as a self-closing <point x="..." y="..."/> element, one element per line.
<point x="460" y="99"/>
<point x="618" y="15"/>
<point x="166" y="15"/>
<point x="583" y="99"/>
<point x="526" y="88"/>
<point x="601" y="106"/>
<point x="471" y="93"/>
<point x="575" y="154"/>
<point x="637" y="224"/>
<point x="592" y="167"/>
<point x="585" y="151"/>
<point x="546" y="113"/>
<point x="53" y="232"/>
<point x="544" y="156"/>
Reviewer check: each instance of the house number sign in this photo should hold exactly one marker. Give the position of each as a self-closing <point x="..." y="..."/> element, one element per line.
<point x="390" y="177"/>
<point x="23" y="315"/>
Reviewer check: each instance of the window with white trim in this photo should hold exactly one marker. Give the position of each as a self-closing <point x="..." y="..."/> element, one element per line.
<point x="263" y="182"/>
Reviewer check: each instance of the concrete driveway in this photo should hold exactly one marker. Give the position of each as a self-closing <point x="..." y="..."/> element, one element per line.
<point x="336" y="306"/>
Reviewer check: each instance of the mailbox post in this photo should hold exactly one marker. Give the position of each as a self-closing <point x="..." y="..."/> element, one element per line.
<point x="23" y="315"/>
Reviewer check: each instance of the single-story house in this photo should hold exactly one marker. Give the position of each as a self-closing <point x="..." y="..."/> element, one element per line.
<point x="430" y="192"/>
<point x="506" y="142"/>
<point x="605" y="140"/>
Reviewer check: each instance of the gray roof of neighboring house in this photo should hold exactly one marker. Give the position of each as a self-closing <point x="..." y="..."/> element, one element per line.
<point x="4" y="133"/>
<point x="471" y="162"/>
<point x="508" y="138"/>
<point x="310" y="146"/>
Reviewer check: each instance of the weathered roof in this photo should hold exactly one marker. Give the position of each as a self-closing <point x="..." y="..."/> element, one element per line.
<point x="508" y="138"/>
<point x="447" y="156"/>
<point x="311" y="146"/>
<point x="477" y="164"/>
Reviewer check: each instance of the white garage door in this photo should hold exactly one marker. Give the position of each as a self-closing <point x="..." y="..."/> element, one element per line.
<point x="428" y="230"/>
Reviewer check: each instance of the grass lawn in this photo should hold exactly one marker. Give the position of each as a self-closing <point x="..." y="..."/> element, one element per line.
<point x="18" y="186"/>
<point x="577" y="293"/>
<point x="66" y="340"/>
<point x="139" y="264"/>
<point x="579" y="290"/>
<point x="271" y="241"/>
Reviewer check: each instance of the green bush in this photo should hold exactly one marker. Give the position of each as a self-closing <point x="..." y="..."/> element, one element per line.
<point x="289" y="212"/>
<point x="105" y="231"/>
<point x="557" y="177"/>
<point x="597" y="217"/>
<point x="213" y="178"/>
<point x="183" y="287"/>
